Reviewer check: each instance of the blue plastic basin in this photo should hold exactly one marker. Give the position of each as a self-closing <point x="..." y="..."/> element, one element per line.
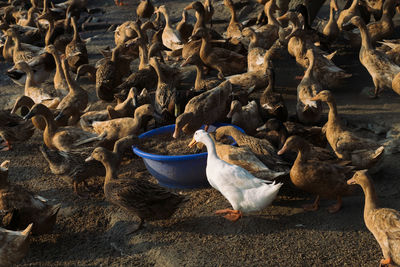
<point x="180" y="171"/>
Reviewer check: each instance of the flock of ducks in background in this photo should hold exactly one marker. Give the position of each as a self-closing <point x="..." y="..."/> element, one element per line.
<point x="80" y="135"/>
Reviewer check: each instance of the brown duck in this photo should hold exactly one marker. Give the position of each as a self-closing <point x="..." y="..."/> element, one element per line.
<point x="25" y="206"/>
<point x="146" y="200"/>
<point x="383" y="223"/>
<point x="317" y="177"/>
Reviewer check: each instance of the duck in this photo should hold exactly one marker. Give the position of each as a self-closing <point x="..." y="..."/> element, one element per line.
<point x="118" y="128"/>
<point x="201" y="83"/>
<point x="234" y="30"/>
<point x="146" y="200"/>
<point x="127" y="107"/>
<point x="88" y="69"/>
<point x="391" y="48"/>
<point x="246" y="117"/>
<point x="42" y="66"/>
<point x="254" y="79"/>
<point x="57" y="34"/>
<point x="324" y="179"/>
<point x="171" y="38"/>
<point x="256" y="52"/>
<point x="145" y="9"/>
<point x="124" y="32"/>
<point x="72" y="166"/>
<point x="269" y="32"/>
<point x="272" y="104"/>
<point x="73" y="104"/>
<point x="184" y="28"/>
<point x="329" y="75"/>
<point x="108" y="77"/>
<point x="38" y="94"/>
<point x="61" y="138"/>
<point x="243" y="157"/>
<point x="245" y="192"/>
<point x="363" y="153"/>
<point x="59" y="81"/>
<point x="76" y="51"/>
<point x="14" y="245"/>
<point x="26" y="52"/>
<point x="226" y="62"/>
<point x="165" y="95"/>
<point x="26" y="207"/>
<point x="383" y="223"/>
<point x="13" y="128"/>
<point x="262" y="148"/>
<point x="381" y="68"/>
<point x="331" y="30"/>
<point x="29" y="20"/>
<point x="274" y="131"/>
<point x="347" y="14"/>
<point x="206" y="108"/>
<point x="378" y="30"/>
<point x="202" y="17"/>
<point x="308" y="111"/>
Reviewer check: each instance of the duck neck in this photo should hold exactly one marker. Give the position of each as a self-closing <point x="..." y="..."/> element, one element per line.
<point x="8" y="44"/>
<point x="143" y="55"/>
<point x="76" y="37"/>
<point x="167" y="19"/>
<point x="331" y="15"/>
<point x="302" y="154"/>
<point x="160" y="74"/>
<point x="253" y="40"/>
<point x="111" y="166"/>
<point x="234" y="19"/>
<point x="50" y="128"/>
<point x="353" y="5"/>
<point x="204" y="48"/>
<point x="29" y="19"/>
<point x="199" y="76"/>
<point x="30" y="82"/>
<point x="57" y="60"/>
<point x="333" y="114"/>
<point x="115" y="54"/>
<point x="49" y="32"/>
<point x="212" y="152"/>
<point x="200" y="13"/>
<point x="271" y="82"/>
<point x="17" y="41"/>
<point x="72" y="86"/>
<point x="308" y="72"/>
<point x="388" y="11"/>
<point x="371" y="201"/>
<point x="270" y="15"/>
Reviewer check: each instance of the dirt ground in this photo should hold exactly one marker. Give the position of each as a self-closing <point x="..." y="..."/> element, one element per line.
<point x="93" y="233"/>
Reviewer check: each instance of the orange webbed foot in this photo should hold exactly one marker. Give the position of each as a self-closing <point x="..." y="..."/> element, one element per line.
<point x="386" y="262"/>
<point x="6" y="147"/>
<point x="232" y="215"/>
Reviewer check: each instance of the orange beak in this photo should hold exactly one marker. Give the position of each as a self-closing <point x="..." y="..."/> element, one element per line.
<point x="282" y="151"/>
<point x="192" y="143"/>
<point x="351" y="181"/>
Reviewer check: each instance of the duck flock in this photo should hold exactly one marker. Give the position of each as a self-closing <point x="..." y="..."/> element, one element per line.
<point x="87" y="133"/>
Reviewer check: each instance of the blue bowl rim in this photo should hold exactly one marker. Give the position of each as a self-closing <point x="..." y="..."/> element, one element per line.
<point x="157" y="157"/>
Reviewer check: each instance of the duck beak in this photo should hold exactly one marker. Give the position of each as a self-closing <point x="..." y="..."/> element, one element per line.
<point x="283" y="17"/>
<point x="28" y="116"/>
<point x="261" y="128"/>
<point x="188" y="7"/>
<point x="90" y="158"/>
<point x="282" y="151"/>
<point x="192" y="143"/>
<point x="315" y="98"/>
<point x="176" y="133"/>
<point x="184" y="63"/>
<point x="351" y="181"/>
<point x="230" y="114"/>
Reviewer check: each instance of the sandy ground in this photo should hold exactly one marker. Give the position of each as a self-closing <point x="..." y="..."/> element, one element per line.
<point x="92" y="232"/>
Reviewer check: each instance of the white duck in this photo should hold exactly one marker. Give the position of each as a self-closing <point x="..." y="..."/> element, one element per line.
<point x="244" y="192"/>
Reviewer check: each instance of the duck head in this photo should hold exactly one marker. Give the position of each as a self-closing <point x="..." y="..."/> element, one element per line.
<point x="181" y="122"/>
<point x="37" y="109"/>
<point x="356" y="21"/>
<point x="235" y="107"/>
<point x="99" y="154"/>
<point x="359" y="177"/>
<point x="293" y="143"/>
<point x="325" y="96"/>
<point x="198" y="6"/>
<point x="4" y="171"/>
<point x="199" y="137"/>
<point x="51" y="49"/>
